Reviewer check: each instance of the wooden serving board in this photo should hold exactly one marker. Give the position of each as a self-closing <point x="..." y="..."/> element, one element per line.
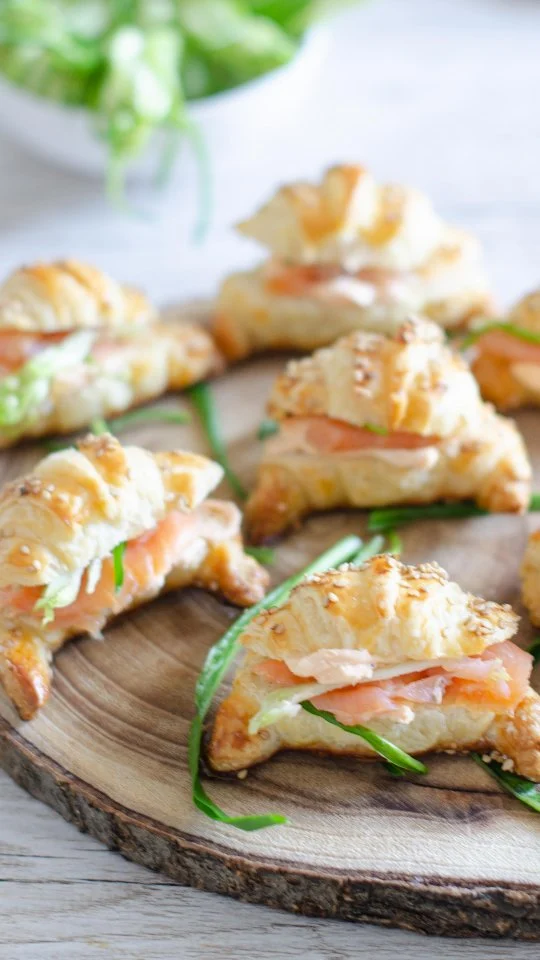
<point x="445" y="854"/>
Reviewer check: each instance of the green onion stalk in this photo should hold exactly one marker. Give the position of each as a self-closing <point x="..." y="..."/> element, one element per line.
<point x="219" y="658"/>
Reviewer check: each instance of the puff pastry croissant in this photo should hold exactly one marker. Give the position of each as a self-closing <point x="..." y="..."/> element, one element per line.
<point x="398" y="648"/>
<point x="506" y="365"/>
<point x="75" y="346"/>
<point x="377" y="420"/>
<point x="347" y="254"/>
<point x="530" y="576"/>
<point x="61" y="529"/>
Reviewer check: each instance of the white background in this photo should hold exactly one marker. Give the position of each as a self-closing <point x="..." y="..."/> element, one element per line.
<point x="443" y="94"/>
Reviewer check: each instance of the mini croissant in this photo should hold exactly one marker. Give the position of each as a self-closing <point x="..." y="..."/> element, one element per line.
<point x="347" y="254"/>
<point x="400" y="649"/>
<point x="507" y="362"/>
<point x="374" y="421"/>
<point x="530" y="576"/>
<point x="96" y="530"/>
<point x="75" y="346"/>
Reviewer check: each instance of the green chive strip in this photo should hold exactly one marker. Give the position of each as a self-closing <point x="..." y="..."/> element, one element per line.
<point x="522" y="789"/>
<point x="127" y="420"/>
<point x="381" y="521"/>
<point x="368" y="550"/>
<point x="99" y="427"/>
<point x="519" y="332"/>
<point x="218" y="660"/>
<point x="395" y="543"/>
<point x="534" y="650"/>
<point x="147" y="415"/>
<point x="267" y="428"/>
<point x="203" y="399"/>
<point x="265" y="555"/>
<point x="380" y="745"/>
<point x="373" y="428"/>
<point x="118" y="565"/>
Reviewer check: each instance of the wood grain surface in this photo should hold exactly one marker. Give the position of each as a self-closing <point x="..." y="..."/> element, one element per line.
<point x="444" y="854"/>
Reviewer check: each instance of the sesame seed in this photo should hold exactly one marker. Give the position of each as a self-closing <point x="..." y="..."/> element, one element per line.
<point x="332" y="598"/>
<point x="278" y="628"/>
<point x="25" y="549"/>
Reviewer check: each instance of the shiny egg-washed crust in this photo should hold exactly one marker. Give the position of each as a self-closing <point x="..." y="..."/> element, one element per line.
<point x="456" y="729"/>
<point x="127" y="372"/>
<point x="69" y="295"/>
<point x="79" y="503"/>
<point x="506" y="383"/>
<point x="409" y="381"/>
<point x="530" y="577"/>
<point x="398" y="613"/>
<point x="218" y="564"/>
<point x="250" y="317"/>
<point x="348" y="219"/>
<point x="393" y="610"/>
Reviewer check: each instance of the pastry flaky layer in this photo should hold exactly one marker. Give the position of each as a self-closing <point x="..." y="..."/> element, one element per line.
<point x="59" y="528"/>
<point x="375" y="421"/>
<point x="530" y="577"/>
<point x="399" y="648"/>
<point x="348" y="254"/>
<point x="507" y="366"/>
<point x="69" y="295"/>
<point x="75" y="345"/>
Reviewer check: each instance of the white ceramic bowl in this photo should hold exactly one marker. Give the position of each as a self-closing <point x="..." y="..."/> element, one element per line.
<point x="251" y="112"/>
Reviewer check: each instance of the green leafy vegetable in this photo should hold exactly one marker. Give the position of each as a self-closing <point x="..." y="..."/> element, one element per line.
<point x="217" y="662"/>
<point x="368" y="550"/>
<point x="534" y="650"/>
<point x="522" y="789"/>
<point x="62" y="592"/>
<point x="264" y="555"/>
<point x="133" y="64"/>
<point x="395" y="543"/>
<point x="99" y="427"/>
<point x="127" y="420"/>
<point x="380" y="745"/>
<point x="519" y="332"/>
<point x="140" y="91"/>
<point x="203" y="398"/>
<point x="267" y="429"/>
<point x="147" y="415"/>
<point x="284" y="702"/>
<point x="373" y="428"/>
<point x="241" y="46"/>
<point x="385" y="520"/>
<point x="118" y="565"/>
<point x="22" y="393"/>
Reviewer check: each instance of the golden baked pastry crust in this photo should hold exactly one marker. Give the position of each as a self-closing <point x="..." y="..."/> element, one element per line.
<point x="530" y="577"/>
<point x="69" y="295"/>
<point x="504" y="382"/>
<point x="77" y="504"/>
<point x="380" y="253"/>
<point x="130" y="371"/>
<point x="75" y="508"/>
<point x="396" y="612"/>
<point x="410" y="383"/>
<point x="393" y="610"/>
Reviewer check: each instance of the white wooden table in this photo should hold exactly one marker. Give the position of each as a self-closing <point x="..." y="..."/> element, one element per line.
<point x="439" y="93"/>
